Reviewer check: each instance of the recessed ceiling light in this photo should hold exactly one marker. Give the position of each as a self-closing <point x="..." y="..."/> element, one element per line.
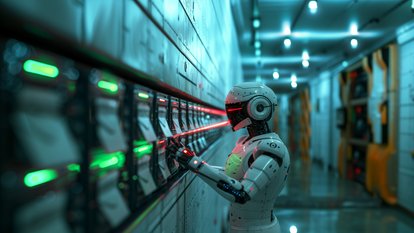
<point x="287" y="42"/>
<point x="258" y="52"/>
<point x="257" y="44"/>
<point x="286" y="29"/>
<point x="313" y="6"/>
<point x="256" y="23"/>
<point x="412" y="6"/>
<point x="354" y="43"/>
<point x="293" y="229"/>
<point x="305" y="55"/>
<point x="275" y="74"/>
<point x="294" y="84"/>
<point x="293" y="78"/>
<point x="305" y="63"/>
<point x="353" y="29"/>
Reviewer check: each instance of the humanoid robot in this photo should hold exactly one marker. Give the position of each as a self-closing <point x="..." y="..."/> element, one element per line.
<point x="257" y="168"/>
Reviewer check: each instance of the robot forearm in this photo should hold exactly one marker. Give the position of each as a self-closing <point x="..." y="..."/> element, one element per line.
<point x="228" y="187"/>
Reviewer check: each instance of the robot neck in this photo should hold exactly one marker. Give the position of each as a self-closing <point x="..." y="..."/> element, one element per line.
<point x="257" y="128"/>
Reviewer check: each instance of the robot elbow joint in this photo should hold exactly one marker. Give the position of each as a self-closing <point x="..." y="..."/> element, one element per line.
<point x="242" y="198"/>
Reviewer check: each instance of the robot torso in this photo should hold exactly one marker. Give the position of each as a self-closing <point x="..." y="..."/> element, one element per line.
<point x="256" y="215"/>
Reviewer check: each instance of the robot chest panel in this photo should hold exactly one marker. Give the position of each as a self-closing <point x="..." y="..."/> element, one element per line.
<point x="238" y="161"/>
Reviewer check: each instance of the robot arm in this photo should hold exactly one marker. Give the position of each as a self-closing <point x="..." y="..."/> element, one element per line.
<point x="261" y="171"/>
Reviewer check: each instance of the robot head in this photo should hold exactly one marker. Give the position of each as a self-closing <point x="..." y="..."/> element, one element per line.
<point x="250" y="102"/>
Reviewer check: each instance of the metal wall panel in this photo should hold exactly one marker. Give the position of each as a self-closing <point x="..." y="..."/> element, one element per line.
<point x="334" y="131"/>
<point x="405" y="192"/>
<point x="406" y="120"/>
<point x="66" y="14"/>
<point x="156" y="58"/>
<point x="320" y="91"/>
<point x="135" y="51"/>
<point x="104" y="26"/>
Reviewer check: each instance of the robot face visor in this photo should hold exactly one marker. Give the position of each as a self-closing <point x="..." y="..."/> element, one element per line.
<point x="236" y="113"/>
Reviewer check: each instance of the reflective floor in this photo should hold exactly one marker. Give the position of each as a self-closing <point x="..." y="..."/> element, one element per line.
<point x="319" y="201"/>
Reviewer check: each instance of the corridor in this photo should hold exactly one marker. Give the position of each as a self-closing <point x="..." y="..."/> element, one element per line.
<point x="318" y="201"/>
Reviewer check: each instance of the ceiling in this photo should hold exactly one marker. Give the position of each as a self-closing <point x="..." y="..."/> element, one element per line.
<point x="325" y="35"/>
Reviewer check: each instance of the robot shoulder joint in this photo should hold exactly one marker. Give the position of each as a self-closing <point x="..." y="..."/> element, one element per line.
<point x="273" y="148"/>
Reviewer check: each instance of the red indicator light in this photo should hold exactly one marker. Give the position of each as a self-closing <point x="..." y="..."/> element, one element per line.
<point x="185" y="151"/>
<point x="353" y="74"/>
<point x="234" y="109"/>
<point x="162" y="100"/>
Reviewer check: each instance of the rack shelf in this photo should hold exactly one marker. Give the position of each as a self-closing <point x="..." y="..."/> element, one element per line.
<point x="358" y="142"/>
<point x="359" y="101"/>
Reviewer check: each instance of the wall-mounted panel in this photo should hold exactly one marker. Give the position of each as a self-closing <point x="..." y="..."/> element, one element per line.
<point x="67" y="15"/>
<point x="406" y="119"/>
<point x="103" y="25"/>
<point x="135" y="52"/>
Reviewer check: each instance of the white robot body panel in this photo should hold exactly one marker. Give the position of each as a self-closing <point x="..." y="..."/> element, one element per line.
<point x="245" y="91"/>
<point x="257" y="168"/>
<point x="261" y="169"/>
<point x="238" y="161"/>
<point x="256" y="215"/>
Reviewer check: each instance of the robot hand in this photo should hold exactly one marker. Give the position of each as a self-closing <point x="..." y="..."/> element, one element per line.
<point x="180" y="152"/>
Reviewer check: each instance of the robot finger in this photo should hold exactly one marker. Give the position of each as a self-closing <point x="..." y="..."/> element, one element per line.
<point x="172" y="148"/>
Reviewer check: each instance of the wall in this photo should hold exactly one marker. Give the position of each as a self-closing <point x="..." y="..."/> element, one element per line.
<point x="324" y="95"/>
<point x="335" y="133"/>
<point x="169" y="41"/>
<point x="186" y="45"/>
<point x="320" y="99"/>
<point x="406" y="118"/>
<point x="283" y="114"/>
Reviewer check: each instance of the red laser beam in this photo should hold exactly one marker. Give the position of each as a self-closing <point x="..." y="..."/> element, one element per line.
<point x="212" y="126"/>
<point x="234" y="109"/>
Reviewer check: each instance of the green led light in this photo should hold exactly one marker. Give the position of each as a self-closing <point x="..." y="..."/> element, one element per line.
<point x="109" y="162"/>
<point x="143" y="150"/>
<point x="108" y="86"/>
<point x="35" y="178"/>
<point x="40" y="68"/>
<point x="71" y="87"/>
<point x="143" y="95"/>
<point x="104" y="160"/>
<point x="73" y="167"/>
<point x="140" y="143"/>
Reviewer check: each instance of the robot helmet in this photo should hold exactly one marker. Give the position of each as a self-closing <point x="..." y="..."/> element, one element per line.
<point x="250" y="102"/>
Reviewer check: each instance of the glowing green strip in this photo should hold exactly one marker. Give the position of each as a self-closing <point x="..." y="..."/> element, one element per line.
<point x="35" y="178"/>
<point x="40" y="68"/>
<point x="143" y="95"/>
<point x="73" y="167"/>
<point x="108" y="86"/>
<point x="140" y="143"/>
<point x="107" y="160"/>
<point x="143" y="150"/>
